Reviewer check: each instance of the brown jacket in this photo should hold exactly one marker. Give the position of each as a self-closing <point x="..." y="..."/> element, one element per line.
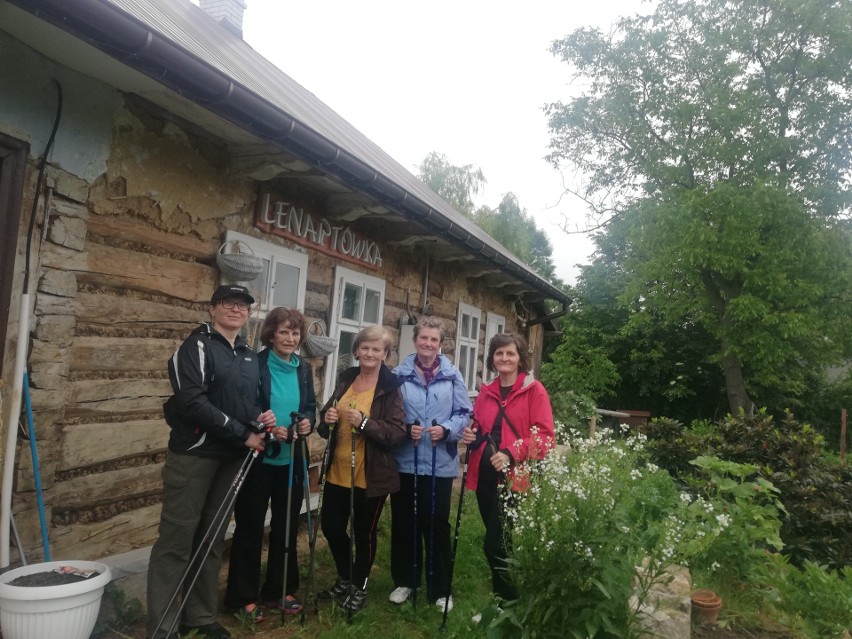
<point x="384" y="431"/>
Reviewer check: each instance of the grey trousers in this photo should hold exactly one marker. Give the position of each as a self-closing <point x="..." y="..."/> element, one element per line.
<point x="194" y="488"/>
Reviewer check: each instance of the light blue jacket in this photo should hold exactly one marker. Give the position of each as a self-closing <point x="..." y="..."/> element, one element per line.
<point x="445" y="400"/>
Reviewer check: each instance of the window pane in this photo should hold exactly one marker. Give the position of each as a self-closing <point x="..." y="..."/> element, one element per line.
<point x="463" y="361"/>
<point x="371" y="307"/>
<point x="465" y="325"/>
<point x="474" y="328"/>
<point x="259" y="286"/>
<point x="472" y="368"/>
<point x="345" y="358"/>
<point x="285" y="287"/>
<point x="351" y="307"/>
<point x="500" y="328"/>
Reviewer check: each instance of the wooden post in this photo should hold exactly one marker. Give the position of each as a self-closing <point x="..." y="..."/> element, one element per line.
<point x="592" y="423"/>
<point x="842" y="436"/>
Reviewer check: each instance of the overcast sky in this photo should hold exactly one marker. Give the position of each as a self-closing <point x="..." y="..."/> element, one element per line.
<point x="466" y="78"/>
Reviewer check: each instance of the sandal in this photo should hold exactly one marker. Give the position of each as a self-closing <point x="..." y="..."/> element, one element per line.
<point x="249" y="615"/>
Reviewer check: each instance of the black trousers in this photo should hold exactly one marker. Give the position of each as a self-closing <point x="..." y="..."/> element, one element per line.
<point x="266" y="483"/>
<point x="497" y="543"/>
<point x="335" y="528"/>
<point x="403" y="551"/>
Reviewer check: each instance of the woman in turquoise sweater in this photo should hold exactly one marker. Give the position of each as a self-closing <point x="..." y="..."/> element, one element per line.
<point x="286" y="386"/>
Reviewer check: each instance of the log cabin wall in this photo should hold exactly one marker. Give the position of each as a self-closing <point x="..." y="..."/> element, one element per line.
<point x="125" y="272"/>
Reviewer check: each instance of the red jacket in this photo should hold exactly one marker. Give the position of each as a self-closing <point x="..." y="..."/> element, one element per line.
<point x="526" y="405"/>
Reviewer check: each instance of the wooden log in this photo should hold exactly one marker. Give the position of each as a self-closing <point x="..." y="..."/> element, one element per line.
<point x="120" y="353"/>
<point x="124" y="483"/>
<point x="117" y="397"/>
<point x="122" y="533"/>
<point x="120" y="268"/>
<point x="88" y="444"/>
<point x="134" y="230"/>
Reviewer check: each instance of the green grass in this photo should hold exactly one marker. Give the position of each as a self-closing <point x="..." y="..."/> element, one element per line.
<point x="381" y="619"/>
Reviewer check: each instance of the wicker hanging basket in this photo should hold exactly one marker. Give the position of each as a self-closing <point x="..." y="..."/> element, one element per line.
<point x="237" y="265"/>
<point x="318" y="344"/>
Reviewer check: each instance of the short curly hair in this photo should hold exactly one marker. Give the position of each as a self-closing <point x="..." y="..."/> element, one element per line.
<point x="431" y="322"/>
<point x="504" y="339"/>
<point x="278" y="316"/>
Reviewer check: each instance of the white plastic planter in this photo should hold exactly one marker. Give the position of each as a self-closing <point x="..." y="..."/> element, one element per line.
<point x="68" y="611"/>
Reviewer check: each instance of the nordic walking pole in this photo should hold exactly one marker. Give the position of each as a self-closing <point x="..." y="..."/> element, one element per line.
<point x="308" y="514"/>
<point x="415" y="565"/>
<point x="220" y="516"/>
<point x="351" y="525"/>
<point x="293" y="420"/>
<point x="429" y="588"/>
<point x="456" y="537"/>
<point x="323" y="473"/>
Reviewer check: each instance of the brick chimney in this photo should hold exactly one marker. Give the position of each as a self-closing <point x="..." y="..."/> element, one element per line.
<point x="228" y="13"/>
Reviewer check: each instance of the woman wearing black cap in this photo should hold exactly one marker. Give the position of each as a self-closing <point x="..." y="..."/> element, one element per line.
<point x="214" y="376"/>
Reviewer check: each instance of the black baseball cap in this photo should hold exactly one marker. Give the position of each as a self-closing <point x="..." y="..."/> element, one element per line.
<point x="231" y="290"/>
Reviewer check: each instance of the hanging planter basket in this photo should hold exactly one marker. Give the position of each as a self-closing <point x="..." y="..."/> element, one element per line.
<point x="238" y="262"/>
<point x="317" y="343"/>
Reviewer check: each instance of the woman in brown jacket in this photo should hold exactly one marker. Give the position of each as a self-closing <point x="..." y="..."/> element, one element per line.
<point x="366" y="406"/>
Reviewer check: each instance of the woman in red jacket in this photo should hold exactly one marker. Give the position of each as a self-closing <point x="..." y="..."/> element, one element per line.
<point x="513" y="423"/>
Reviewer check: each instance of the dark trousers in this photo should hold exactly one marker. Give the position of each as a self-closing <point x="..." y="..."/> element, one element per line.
<point x="265" y="484"/>
<point x="335" y="527"/>
<point x="403" y="553"/>
<point x="497" y="542"/>
<point x="194" y="488"/>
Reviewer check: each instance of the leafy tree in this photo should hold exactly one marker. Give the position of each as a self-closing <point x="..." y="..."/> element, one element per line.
<point x="456" y="184"/>
<point x="719" y="132"/>
<point x="508" y="223"/>
<point x="515" y="229"/>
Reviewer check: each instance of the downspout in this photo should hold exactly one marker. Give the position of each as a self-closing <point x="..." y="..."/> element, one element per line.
<point x="21" y="361"/>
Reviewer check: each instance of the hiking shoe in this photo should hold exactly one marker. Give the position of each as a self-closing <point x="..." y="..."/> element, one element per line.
<point x="442" y="601"/>
<point x="338" y="589"/>
<point x="400" y="595"/>
<point x="354" y="601"/>
<point x="210" y="631"/>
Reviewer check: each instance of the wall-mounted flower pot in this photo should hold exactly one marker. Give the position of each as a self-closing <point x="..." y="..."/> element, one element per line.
<point x="706" y="605"/>
<point x="67" y="610"/>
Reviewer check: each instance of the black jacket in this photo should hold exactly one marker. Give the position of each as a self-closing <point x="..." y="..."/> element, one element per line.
<point x="385" y="429"/>
<point x="307" y="396"/>
<point x="215" y="395"/>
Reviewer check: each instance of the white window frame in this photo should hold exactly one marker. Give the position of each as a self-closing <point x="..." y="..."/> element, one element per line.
<point x="471" y="342"/>
<point x="343" y="276"/>
<point x="494" y="324"/>
<point x="276" y="255"/>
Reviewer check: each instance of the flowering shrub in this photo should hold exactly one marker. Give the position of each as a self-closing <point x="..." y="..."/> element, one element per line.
<point x="588" y="519"/>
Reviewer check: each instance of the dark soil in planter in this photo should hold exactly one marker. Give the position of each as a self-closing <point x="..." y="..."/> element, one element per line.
<point x="51" y="578"/>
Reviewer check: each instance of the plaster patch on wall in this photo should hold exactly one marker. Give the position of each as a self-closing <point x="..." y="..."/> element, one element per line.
<point x="164" y="163"/>
<point x="28" y="109"/>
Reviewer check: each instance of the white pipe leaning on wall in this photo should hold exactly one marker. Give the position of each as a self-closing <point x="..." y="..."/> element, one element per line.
<point x="12" y="431"/>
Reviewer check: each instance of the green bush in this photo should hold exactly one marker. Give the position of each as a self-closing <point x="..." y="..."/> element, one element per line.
<point x="590" y="517"/>
<point x="816" y="493"/>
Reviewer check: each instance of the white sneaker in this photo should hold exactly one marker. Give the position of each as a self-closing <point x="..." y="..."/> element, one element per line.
<point x="400" y="595"/>
<point x="443" y="600"/>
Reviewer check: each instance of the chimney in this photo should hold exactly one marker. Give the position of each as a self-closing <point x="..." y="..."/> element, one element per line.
<point x="228" y="13"/>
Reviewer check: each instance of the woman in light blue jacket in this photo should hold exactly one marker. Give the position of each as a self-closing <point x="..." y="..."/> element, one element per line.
<point x="437" y="409"/>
